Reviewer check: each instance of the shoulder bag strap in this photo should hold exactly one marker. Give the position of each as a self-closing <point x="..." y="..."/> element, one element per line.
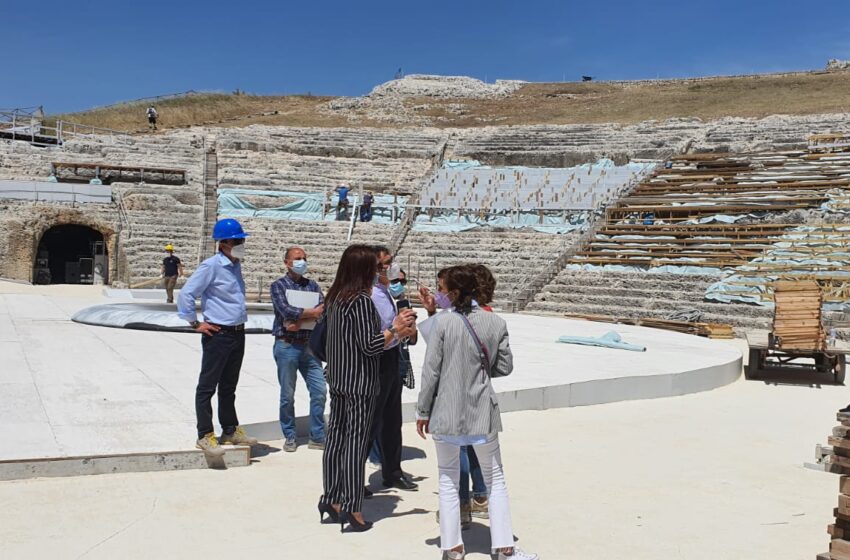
<point x="483" y="354"/>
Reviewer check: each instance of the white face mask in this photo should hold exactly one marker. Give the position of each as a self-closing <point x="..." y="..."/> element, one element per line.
<point x="393" y="272"/>
<point x="238" y="251"/>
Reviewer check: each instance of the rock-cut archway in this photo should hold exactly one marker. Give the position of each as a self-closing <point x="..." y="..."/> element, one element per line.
<point x="71" y="254"/>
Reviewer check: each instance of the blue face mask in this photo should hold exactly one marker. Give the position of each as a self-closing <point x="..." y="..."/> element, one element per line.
<point x="299" y="267"/>
<point x="396" y="289"/>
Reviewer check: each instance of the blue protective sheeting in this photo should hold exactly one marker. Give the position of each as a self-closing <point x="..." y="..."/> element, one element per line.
<point x="611" y="339"/>
<point x="305" y="206"/>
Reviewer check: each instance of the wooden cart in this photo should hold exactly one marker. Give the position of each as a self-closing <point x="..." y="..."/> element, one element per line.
<point x="797" y="343"/>
<point x="766" y="358"/>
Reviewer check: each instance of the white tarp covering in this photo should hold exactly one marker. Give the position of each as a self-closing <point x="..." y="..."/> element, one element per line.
<point x="161" y="317"/>
<point x="48" y="191"/>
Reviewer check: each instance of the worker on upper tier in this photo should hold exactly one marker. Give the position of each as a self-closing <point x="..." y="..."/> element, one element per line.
<point x="170" y="270"/>
<point x="218" y="283"/>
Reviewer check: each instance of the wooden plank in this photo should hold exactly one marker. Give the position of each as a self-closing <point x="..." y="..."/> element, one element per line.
<point x="840" y="547"/>
<point x="838" y="532"/>
<point x="839" y="442"/>
<point x="840" y="461"/>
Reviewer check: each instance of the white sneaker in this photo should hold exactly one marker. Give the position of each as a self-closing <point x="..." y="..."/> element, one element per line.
<point x="452" y="555"/>
<point x="518" y="554"/>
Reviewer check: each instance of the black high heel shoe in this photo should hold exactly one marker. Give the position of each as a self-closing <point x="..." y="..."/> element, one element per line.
<point x="333" y="515"/>
<point x="353" y="524"/>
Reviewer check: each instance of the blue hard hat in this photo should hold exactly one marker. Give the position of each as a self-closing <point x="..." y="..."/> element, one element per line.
<point x="228" y="229"/>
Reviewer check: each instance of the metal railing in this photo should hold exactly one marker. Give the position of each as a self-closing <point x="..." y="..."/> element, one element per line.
<point x="163" y="97"/>
<point x="15" y="125"/>
<point x="123" y="216"/>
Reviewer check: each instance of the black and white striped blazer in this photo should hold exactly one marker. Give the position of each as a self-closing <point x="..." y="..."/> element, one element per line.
<point x="457" y="395"/>
<point x="354" y="346"/>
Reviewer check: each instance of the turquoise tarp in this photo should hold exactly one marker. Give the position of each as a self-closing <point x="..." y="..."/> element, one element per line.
<point x="305" y="206"/>
<point x="611" y="339"/>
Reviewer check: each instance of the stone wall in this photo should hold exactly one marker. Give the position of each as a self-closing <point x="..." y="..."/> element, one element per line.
<point x="23" y="223"/>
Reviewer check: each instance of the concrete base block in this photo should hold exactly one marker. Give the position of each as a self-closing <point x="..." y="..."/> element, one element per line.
<point x="124" y="463"/>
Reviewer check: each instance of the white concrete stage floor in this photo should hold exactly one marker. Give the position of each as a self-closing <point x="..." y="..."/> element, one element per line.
<point x="68" y="389"/>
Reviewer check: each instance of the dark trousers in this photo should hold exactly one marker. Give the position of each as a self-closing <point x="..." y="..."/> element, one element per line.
<point x="348" y="435"/>
<point x="220" y="365"/>
<point x="387" y="424"/>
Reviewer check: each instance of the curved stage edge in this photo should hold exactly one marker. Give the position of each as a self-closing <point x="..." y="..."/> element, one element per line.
<point x="674" y="364"/>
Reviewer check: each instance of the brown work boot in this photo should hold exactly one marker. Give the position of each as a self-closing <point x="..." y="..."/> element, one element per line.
<point x="238" y="437"/>
<point x="209" y="445"/>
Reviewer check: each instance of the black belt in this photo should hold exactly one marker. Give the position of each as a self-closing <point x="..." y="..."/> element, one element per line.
<point x="230" y="328"/>
<point x="293" y="340"/>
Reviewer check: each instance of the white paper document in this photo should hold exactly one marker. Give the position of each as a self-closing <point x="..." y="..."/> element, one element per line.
<point x="304" y="300"/>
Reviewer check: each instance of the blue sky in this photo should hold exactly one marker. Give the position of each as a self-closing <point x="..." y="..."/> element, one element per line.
<point x="74" y="55"/>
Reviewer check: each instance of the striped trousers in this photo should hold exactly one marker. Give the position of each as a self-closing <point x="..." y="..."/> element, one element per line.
<point x="349" y="434"/>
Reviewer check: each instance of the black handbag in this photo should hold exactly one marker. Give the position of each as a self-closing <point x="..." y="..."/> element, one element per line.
<point x="319" y="339"/>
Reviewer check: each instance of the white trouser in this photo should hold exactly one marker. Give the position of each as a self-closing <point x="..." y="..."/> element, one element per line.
<point x="490" y="458"/>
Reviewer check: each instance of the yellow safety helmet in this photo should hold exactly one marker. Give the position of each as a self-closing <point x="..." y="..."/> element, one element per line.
<point x="169" y="247"/>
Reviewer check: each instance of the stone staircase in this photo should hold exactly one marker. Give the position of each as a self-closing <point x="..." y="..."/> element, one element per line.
<point x="640" y="295"/>
<point x="210" y="209"/>
<point x="512" y="255"/>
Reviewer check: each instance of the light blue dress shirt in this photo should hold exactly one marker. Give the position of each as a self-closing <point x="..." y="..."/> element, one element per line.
<point x="219" y="284"/>
<point x="386" y="309"/>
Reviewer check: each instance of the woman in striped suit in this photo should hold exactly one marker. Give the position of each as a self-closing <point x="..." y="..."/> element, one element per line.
<point x="354" y="346"/>
<point x="458" y="406"/>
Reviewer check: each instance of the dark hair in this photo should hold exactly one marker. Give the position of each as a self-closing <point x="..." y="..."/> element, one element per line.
<point x="463" y="280"/>
<point x="381" y="249"/>
<point x="354" y="275"/>
<point x="486" y="283"/>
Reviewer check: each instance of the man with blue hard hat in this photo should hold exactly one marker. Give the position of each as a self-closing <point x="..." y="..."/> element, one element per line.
<point x="218" y="283"/>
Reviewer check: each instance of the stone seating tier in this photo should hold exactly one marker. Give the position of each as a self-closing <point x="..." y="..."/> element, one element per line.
<point x="638" y="295"/>
<point x="289" y="172"/>
<point x="324" y="243"/>
<point x="513" y="256"/>
<point x="19" y="160"/>
<point x="371" y="143"/>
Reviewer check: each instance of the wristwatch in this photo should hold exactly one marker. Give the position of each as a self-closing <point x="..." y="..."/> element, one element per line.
<point x="393" y="331"/>
<point x="195" y="324"/>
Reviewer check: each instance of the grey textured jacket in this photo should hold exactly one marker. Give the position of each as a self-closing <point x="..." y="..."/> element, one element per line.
<point x="456" y="395"/>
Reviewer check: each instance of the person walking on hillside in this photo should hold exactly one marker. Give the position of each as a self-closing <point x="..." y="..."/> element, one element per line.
<point x="219" y="284"/>
<point x="170" y="270"/>
<point x="355" y="342"/>
<point x="298" y="302"/>
<point x="466" y="349"/>
<point x="152" y="116"/>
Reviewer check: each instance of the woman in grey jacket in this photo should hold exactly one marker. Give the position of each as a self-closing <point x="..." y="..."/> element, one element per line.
<point x="458" y="406"/>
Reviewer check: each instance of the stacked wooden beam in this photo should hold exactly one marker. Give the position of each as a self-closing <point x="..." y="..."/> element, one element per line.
<point x="839" y="463"/>
<point x="797" y="322"/>
<point x="658" y="222"/>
